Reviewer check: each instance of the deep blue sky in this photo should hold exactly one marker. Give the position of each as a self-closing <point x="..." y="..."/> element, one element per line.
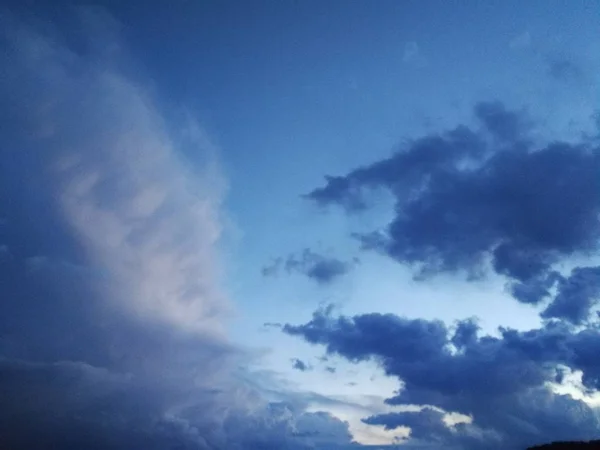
<point x="299" y="224"/>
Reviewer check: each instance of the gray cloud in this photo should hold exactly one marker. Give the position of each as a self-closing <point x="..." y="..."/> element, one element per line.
<point x="425" y="424"/>
<point x="112" y="328"/>
<point x="576" y="296"/>
<point x="300" y="365"/>
<point x="465" y="197"/>
<point x="499" y="382"/>
<point x="320" y="268"/>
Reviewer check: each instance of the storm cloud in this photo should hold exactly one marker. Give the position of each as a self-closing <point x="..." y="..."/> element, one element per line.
<point x="500" y="382"/>
<point x="112" y="324"/>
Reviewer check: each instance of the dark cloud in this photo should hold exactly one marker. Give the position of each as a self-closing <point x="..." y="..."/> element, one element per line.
<point x="300" y="365"/>
<point x="535" y="290"/>
<point x="320" y="268"/>
<point x="463" y="199"/>
<point x="501" y="382"/>
<point x="76" y="375"/>
<point x="576" y="295"/>
<point x="330" y="369"/>
<point x="74" y="405"/>
<point x="504" y="125"/>
<point x="465" y="333"/>
<point x="426" y="424"/>
<point x="405" y="170"/>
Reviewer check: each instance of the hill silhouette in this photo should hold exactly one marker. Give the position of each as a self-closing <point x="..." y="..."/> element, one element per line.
<point x="575" y="445"/>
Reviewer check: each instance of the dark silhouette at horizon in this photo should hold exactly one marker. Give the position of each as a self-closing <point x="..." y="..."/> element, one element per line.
<point x="568" y="445"/>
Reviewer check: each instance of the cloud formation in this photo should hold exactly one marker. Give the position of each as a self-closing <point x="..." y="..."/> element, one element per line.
<point x="479" y="199"/>
<point x="576" y="295"/>
<point x="112" y="328"/>
<point x="300" y="365"/>
<point x="320" y="268"/>
<point x="500" y="382"/>
<point x="469" y="197"/>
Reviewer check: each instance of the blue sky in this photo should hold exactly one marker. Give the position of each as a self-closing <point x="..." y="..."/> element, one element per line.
<point x="299" y="224"/>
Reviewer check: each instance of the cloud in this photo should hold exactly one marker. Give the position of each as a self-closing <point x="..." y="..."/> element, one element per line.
<point x="468" y="196"/>
<point x="404" y="170"/>
<point x="465" y="333"/>
<point x="112" y="332"/>
<point x="506" y="126"/>
<point x="424" y="424"/>
<point x="576" y="295"/>
<point x="113" y="255"/>
<point x="501" y="382"/>
<point x="74" y="405"/>
<point x="574" y="298"/>
<point x="125" y="193"/>
<point x="322" y="269"/>
<point x="300" y="365"/>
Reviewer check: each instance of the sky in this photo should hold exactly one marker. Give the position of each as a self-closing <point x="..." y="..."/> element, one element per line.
<point x="298" y="225"/>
